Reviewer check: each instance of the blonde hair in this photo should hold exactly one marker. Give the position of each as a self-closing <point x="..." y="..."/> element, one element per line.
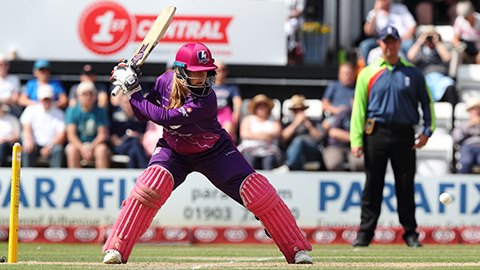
<point x="177" y="94"/>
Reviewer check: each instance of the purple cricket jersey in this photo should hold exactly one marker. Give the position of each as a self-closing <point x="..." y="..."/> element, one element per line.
<point x="193" y="139"/>
<point x="190" y="129"/>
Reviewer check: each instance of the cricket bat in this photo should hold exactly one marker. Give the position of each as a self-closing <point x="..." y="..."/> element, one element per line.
<point x="156" y="32"/>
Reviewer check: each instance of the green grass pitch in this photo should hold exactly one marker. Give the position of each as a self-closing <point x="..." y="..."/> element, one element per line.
<point x="245" y="256"/>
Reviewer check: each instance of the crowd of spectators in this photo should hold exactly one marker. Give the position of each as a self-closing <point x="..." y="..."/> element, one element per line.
<point x="436" y="36"/>
<point x="85" y="126"/>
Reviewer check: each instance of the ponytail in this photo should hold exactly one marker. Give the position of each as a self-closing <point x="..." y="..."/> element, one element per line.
<point x="177" y="94"/>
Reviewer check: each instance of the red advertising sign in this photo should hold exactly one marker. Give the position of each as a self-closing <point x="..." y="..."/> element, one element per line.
<point x="106" y="27"/>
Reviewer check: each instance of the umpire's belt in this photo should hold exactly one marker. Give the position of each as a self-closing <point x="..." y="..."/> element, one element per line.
<point x="392" y="126"/>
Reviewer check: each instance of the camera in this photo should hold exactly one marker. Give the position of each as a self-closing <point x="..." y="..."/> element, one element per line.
<point x="429" y="38"/>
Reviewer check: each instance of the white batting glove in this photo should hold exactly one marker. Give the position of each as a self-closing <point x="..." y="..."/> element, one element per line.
<point x="133" y="91"/>
<point x="126" y="76"/>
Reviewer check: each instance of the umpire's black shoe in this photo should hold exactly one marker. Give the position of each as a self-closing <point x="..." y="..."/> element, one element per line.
<point x="412" y="241"/>
<point x="360" y="243"/>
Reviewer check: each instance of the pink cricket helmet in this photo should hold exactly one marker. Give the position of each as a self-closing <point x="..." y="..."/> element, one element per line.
<point x="195" y="56"/>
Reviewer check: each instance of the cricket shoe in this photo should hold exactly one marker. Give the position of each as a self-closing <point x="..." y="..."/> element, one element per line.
<point x="112" y="257"/>
<point x="301" y="257"/>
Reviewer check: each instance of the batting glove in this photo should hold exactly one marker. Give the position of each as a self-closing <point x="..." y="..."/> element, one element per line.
<point x="126" y="76"/>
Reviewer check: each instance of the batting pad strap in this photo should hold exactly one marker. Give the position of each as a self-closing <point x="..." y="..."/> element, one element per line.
<point x="152" y="189"/>
<point x="261" y="198"/>
<point x="146" y="196"/>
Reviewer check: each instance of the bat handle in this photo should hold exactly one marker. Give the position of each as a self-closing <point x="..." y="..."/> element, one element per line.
<point x="115" y="91"/>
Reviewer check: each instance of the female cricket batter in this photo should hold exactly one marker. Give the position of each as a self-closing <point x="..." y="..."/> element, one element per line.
<point x="182" y="101"/>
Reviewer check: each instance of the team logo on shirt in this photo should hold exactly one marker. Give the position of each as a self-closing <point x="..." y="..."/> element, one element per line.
<point x="184" y="112"/>
<point x="189" y="110"/>
<point x="202" y="57"/>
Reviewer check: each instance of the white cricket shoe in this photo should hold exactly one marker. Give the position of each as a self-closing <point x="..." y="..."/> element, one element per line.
<point x="301" y="257"/>
<point x="112" y="257"/>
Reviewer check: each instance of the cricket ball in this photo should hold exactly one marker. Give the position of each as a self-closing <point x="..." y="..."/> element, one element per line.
<point x="445" y="198"/>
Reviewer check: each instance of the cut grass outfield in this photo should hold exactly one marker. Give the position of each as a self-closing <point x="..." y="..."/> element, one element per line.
<point x="243" y="256"/>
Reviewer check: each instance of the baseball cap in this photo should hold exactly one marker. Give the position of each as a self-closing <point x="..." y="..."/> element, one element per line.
<point x="88" y="70"/>
<point x="41" y="63"/>
<point x="388" y="31"/>
<point x="45" y="91"/>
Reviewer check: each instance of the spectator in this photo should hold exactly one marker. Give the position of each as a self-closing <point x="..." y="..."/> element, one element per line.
<point x="87" y="130"/>
<point x="338" y="93"/>
<point x="152" y="133"/>
<point x="467" y="31"/>
<point x="9" y="134"/>
<point x="432" y="58"/>
<point x="88" y="74"/>
<point x="9" y="87"/>
<point x="126" y="134"/>
<point x="436" y="12"/>
<point x="259" y="134"/>
<point x="43" y="130"/>
<point x="337" y="153"/>
<point x="383" y="14"/>
<point x="467" y="135"/>
<point x="42" y="73"/>
<point x="229" y="101"/>
<point x="385" y="109"/>
<point x="294" y="10"/>
<point x="302" y="136"/>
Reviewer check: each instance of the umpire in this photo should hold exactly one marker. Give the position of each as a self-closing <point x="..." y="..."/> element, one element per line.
<point x="385" y="110"/>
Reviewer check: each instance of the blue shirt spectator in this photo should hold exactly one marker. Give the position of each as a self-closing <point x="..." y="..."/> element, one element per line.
<point x="338" y="94"/>
<point x="32" y="86"/>
<point x="42" y="73"/>
<point x="337" y="154"/>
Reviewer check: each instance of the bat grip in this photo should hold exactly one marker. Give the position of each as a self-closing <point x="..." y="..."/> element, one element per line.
<point x="115" y="91"/>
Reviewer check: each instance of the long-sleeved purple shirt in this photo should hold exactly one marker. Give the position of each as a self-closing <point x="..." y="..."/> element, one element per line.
<point x="189" y="129"/>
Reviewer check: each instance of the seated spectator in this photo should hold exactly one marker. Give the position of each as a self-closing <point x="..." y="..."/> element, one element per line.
<point x="9" y="87"/>
<point x="337" y="153"/>
<point x="467" y="31"/>
<point x="87" y="130"/>
<point x="259" y="133"/>
<point x="383" y="14"/>
<point x="302" y="137"/>
<point x="43" y="130"/>
<point x="126" y="134"/>
<point x="9" y="134"/>
<point x="467" y="135"/>
<point x="338" y="93"/>
<point x="153" y="132"/>
<point x="42" y="73"/>
<point x="229" y="101"/>
<point x="88" y="74"/>
<point x="436" y="12"/>
<point x="432" y="57"/>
